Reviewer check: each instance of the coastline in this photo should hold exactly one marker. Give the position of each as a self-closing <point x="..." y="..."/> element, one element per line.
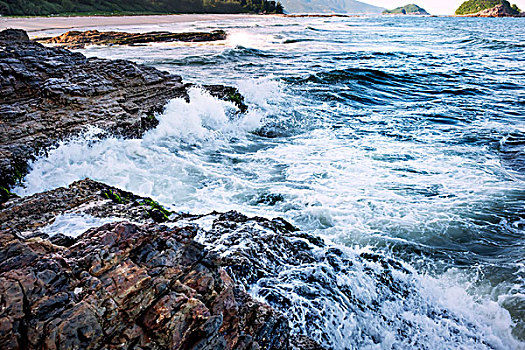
<point x="121" y="295"/>
<point x="35" y="24"/>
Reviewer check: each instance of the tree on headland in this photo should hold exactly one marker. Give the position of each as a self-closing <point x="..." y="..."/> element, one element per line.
<point x="279" y="8"/>
<point x="65" y="7"/>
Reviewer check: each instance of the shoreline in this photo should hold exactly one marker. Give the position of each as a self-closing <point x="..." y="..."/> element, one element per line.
<point x="127" y="278"/>
<point x="35" y="24"/>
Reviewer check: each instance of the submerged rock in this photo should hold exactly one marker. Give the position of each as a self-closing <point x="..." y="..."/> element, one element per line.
<point x="124" y="285"/>
<point x="48" y="94"/>
<point x="78" y="40"/>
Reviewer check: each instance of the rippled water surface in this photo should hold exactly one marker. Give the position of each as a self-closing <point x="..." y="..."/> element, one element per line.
<point x="402" y="137"/>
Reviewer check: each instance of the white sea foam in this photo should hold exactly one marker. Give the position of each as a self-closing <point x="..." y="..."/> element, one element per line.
<point x="419" y="311"/>
<point x="204" y="119"/>
<point x="74" y="224"/>
<point x="168" y="164"/>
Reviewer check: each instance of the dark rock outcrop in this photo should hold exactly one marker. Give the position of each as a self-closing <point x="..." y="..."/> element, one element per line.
<point x="123" y="285"/>
<point x="48" y="94"/>
<point x="13" y="35"/>
<point x="78" y="40"/>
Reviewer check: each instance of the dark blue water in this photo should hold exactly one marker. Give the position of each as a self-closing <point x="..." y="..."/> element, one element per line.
<point x="399" y="136"/>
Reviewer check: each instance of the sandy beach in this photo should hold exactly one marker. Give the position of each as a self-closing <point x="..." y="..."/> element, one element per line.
<point x="32" y="24"/>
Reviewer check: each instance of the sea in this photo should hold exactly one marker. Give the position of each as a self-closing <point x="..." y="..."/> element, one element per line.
<point x="397" y="136"/>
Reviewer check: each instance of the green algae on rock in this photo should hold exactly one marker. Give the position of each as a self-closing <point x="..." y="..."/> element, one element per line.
<point x="139" y="284"/>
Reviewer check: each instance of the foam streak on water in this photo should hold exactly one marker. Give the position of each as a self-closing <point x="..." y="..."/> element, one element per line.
<point x="401" y="137"/>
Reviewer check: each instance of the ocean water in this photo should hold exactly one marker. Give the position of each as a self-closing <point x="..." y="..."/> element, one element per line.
<point x="402" y="137"/>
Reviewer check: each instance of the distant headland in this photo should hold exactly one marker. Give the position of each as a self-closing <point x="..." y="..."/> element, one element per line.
<point x="488" y="8"/>
<point x="329" y="6"/>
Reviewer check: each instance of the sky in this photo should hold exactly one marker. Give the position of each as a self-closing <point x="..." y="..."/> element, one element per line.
<point x="434" y="7"/>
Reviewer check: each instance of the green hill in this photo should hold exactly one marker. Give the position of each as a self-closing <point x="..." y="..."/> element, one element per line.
<point x="475" y="6"/>
<point x="411" y="9"/>
<point x="60" y="7"/>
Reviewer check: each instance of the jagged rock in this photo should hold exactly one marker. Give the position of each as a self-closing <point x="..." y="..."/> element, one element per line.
<point x="322" y="288"/>
<point x="48" y="94"/>
<point x="78" y="40"/>
<point x="13" y="35"/>
<point x="124" y="285"/>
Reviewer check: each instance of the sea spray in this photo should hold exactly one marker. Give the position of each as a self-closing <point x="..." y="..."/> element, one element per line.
<point x="74" y="224"/>
<point x="166" y="164"/>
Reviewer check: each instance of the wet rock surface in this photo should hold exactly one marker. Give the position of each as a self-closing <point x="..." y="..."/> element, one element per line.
<point x="48" y="94"/>
<point x="78" y="39"/>
<point x="140" y="285"/>
<point x="23" y="217"/>
<point x="162" y="279"/>
<point x="322" y="287"/>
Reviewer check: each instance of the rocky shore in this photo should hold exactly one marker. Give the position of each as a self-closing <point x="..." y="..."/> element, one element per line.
<point x="48" y="94"/>
<point x="142" y="285"/>
<point x="78" y="40"/>
<point x="142" y="280"/>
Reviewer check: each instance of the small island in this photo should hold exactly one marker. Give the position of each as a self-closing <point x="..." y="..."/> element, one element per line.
<point x="411" y="9"/>
<point x="488" y="8"/>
